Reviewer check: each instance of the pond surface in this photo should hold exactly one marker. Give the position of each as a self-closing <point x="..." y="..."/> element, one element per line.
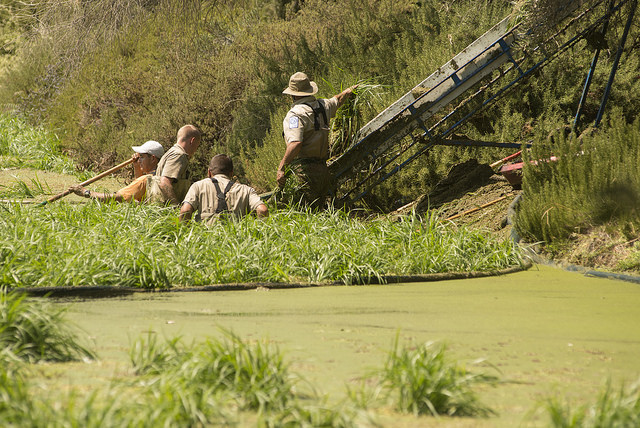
<point x="553" y="333"/>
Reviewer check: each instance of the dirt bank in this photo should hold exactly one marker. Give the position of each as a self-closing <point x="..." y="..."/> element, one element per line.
<point x="473" y="195"/>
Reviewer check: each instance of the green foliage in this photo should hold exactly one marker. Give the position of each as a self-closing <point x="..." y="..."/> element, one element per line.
<point x="22" y="189"/>
<point x="143" y="246"/>
<point x="222" y="68"/>
<point x="613" y="409"/>
<point x="22" y="145"/>
<point x="256" y="373"/>
<point x="108" y="75"/>
<point x="422" y="381"/>
<point x="220" y="382"/>
<point x="33" y="330"/>
<point x="594" y="181"/>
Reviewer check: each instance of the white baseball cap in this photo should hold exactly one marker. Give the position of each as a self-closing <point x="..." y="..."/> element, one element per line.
<point x="151" y="147"/>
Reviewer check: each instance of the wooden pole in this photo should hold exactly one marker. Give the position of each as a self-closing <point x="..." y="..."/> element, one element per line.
<point x="508" y="158"/>
<point x="89" y="181"/>
<point x="472" y="210"/>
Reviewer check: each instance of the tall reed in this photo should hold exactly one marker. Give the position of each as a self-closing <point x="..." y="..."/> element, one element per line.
<point x="613" y="409"/>
<point x="144" y="246"/>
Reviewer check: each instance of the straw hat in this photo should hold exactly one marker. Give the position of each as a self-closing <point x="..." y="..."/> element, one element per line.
<point x="300" y="85"/>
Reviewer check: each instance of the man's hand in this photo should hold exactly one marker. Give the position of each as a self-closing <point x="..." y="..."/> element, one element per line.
<point x="78" y="190"/>
<point x="342" y="96"/>
<point x="281" y="178"/>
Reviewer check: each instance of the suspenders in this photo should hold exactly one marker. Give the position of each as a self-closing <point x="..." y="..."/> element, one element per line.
<point x="222" y="197"/>
<point x="320" y="110"/>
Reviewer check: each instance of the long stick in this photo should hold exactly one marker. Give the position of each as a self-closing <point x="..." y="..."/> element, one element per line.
<point x="89" y="181"/>
<point x="508" y="158"/>
<point x="472" y="210"/>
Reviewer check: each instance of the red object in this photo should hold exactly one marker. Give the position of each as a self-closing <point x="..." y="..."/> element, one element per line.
<point x="512" y="172"/>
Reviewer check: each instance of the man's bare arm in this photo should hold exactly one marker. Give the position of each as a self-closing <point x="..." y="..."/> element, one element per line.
<point x="342" y="96"/>
<point x="186" y="211"/>
<point x="293" y="148"/>
<point x="166" y="186"/>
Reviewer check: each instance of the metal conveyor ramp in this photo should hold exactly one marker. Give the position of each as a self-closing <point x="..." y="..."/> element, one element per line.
<point x="476" y="77"/>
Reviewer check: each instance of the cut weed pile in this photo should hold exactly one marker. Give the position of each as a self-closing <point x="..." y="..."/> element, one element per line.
<point x="474" y="195"/>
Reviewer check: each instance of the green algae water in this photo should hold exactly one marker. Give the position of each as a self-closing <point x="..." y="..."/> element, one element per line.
<point x="546" y="332"/>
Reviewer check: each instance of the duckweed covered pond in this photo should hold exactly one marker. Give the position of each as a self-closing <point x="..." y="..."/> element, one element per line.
<point x="549" y="333"/>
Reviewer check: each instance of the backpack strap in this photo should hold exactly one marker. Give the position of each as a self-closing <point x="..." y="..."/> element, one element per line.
<point x="222" y="196"/>
<point x="317" y="111"/>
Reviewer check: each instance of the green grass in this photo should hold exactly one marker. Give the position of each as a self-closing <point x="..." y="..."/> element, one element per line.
<point x="219" y="382"/>
<point x="34" y="330"/>
<point x="20" y="189"/>
<point x="422" y="380"/>
<point x="25" y="146"/>
<point x="612" y="409"/>
<point x="143" y="246"/>
<point x="254" y="373"/>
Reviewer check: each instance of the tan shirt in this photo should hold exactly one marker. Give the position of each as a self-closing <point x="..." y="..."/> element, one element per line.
<point x="299" y="125"/>
<point x="202" y="196"/>
<point x="173" y="164"/>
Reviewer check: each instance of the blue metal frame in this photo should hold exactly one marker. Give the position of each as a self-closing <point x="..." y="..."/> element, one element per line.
<point x="592" y="68"/>
<point x="614" y="67"/>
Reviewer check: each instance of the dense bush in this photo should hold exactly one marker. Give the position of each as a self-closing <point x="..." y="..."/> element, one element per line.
<point x="595" y="180"/>
<point x="110" y="74"/>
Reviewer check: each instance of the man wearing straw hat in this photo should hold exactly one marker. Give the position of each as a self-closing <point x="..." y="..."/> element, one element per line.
<point x="306" y="134"/>
<point x="146" y="159"/>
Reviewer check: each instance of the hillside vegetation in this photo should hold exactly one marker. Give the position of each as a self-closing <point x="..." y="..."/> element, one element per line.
<point x="108" y="74"/>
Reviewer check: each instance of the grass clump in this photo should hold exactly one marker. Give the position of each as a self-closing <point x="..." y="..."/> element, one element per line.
<point x="256" y="374"/>
<point x="220" y="382"/>
<point x="613" y="409"/>
<point x="594" y="181"/>
<point x="423" y="381"/>
<point x="144" y="246"/>
<point x="33" y="330"/>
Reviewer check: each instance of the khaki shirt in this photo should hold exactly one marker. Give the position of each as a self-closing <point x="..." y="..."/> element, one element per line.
<point x="173" y="164"/>
<point x="299" y="125"/>
<point x="202" y="196"/>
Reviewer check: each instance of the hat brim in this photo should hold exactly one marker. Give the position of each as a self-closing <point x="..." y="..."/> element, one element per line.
<point x="141" y="150"/>
<point x="289" y="91"/>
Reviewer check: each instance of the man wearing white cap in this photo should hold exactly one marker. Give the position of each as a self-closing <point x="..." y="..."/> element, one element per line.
<point x="146" y="159"/>
<point x="306" y="133"/>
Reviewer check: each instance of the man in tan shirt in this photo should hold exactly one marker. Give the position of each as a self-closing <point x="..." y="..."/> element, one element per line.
<point x="306" y="134"/>
<point x="172" y="168"/>
<point x="219" y="195"/>
<point x="146" y="159"/>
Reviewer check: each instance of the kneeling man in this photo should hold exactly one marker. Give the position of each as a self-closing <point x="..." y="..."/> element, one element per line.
<point x="219" y="194"/>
